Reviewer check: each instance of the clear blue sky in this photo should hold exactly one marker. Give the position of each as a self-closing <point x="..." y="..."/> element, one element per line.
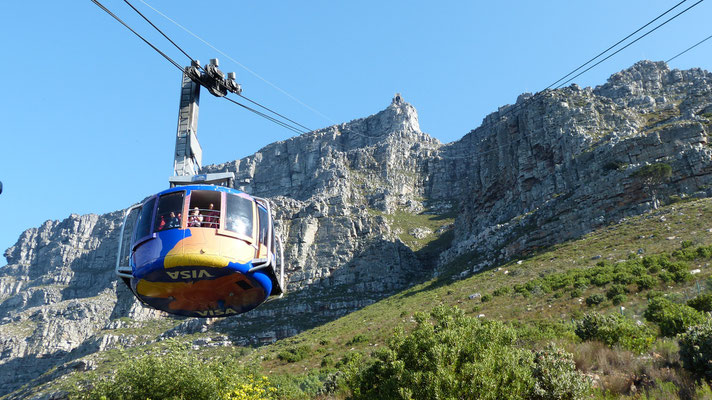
<point x="90" y="111"/>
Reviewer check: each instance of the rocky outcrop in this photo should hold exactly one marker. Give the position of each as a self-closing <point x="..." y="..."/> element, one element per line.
<point x="564" y="162"/>
<point x="550" y="167"/>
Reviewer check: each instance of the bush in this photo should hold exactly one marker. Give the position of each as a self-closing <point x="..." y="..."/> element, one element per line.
<point x="556" y="377"/>
<point x="672" y="318"/>
<point x="595" y="299"/>
<point x="294" y="354"/>
<point x="623" y="278"/>
<point x="701" y="303"/>
<point x="665" y="276"/>
<point x="653" y="263"/>
<point x="614" y="329"/>
<point x="615" y="290"/>
<point x="581" y="283"/>
<point x="449" y="355"/>
<point x="360" y="338"/>
<point x="178" y="374"/>
<point x="486" y="298"/>
<point x="602" y="279"/>
<point x="704" y="252"/>
<point x="696" y="350"/>
<point x="500" y="291"/>
<point x="618" y="299"/>
<point x="253" y="389"/>
<point x="646" y="282"/>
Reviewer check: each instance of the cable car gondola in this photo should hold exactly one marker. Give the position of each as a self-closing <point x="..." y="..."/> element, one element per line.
<point x="203" y="251"/>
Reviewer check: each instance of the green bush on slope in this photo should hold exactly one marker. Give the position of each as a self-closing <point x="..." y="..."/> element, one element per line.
<point x="615" y="329"/>
<point x="672" y="318"/>
<point x="177" y="374"/>
<point x="696" y="350"/>
<point x="451" y="355"/>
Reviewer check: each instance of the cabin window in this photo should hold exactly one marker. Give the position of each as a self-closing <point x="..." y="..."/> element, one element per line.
<point x="169" y="212"/>
<point x="264" y="225"/>
<point x="143" y="225"/>
<point x="239" y="215"/>
<point x="204" y="209"/>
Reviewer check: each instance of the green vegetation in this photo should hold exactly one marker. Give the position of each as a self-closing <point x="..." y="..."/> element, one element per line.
<point x="658" y="119"/>
<point x="615" y="329"/>
<point x="177" y="374"/>
<point x="449" y="355"/>
<point x="696" y="350"/>
<point x="294" y="354"/>
<point x="406" y="224"/>
<point x="702" y="303"/>
<point x="672" y="318"/>
<point x="547" y="295"/>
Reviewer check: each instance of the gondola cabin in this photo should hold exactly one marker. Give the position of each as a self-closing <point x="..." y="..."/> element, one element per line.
<point x="202" y="251"/>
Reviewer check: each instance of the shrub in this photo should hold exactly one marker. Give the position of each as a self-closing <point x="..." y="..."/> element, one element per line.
<point x="653" y="263"/>
<point x="701" y="303"/>
<point x="646" y="282"/>
<point x="450" y="355"/>
<point x="581" y="283"/>
<point x="178" y="374"/>
<point x="500" y="291"/>
<point x="615" y="290"/>
<point x="602" y="279"/>
<point x="672" y="318"/>
<point x="595" y="299"/>
<point x="622" y="278"/>
<point x="704" y="252"/>
<point x="486" y="298"/>
<point x="618" y="299"/>
<point x="360" y="338"/>
<point x="556" y="377"/>
<point x="294" y="354"/>
<point x="653" y="174"/>
<point x="614" y="329"/>
<point x="696" y="350"/>
<point x="665" y="276"/>
<point x="576" y="293"/>
<point x="253" y="389"/>
<point x="681" y="276"/>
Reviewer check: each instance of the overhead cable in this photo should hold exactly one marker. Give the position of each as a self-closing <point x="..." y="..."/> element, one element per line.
<point x="626" y="46"/>
<point x="137" y="34"/>
<point x="517" y="107"/>
<point x="240" y="64"/>
<point x="616" y="44"/>
<point x="161" y="32"/>
<point x="274" y="112"/>
<point x="689" y="48"/>
<point x="181" y="68"/>
<point x="276" y="121"/>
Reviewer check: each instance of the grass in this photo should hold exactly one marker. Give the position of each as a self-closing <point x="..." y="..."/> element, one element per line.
<point x="405" y="224"/>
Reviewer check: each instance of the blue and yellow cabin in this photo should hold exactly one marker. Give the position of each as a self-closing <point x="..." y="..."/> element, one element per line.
<point x="202" y="251"/>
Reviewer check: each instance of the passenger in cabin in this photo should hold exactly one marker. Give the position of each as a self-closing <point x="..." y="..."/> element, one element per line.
<point x="161" y="224"/>
<point x="195" y="219"/>
<point x="173" y="221"/>
<point x="212" y="217"/>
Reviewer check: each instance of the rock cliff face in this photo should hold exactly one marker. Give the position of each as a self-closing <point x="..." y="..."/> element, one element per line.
<point x="360" y="206"/>
<point x="558" y="164"/>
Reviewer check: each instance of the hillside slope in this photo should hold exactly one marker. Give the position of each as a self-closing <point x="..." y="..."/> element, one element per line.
<point x="544" y="313"/>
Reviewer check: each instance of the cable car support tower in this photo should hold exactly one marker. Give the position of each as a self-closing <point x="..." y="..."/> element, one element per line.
<point x="188" y="154"/>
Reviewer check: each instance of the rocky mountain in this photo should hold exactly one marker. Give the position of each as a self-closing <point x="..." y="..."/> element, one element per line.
<point x="372" y="206"/>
